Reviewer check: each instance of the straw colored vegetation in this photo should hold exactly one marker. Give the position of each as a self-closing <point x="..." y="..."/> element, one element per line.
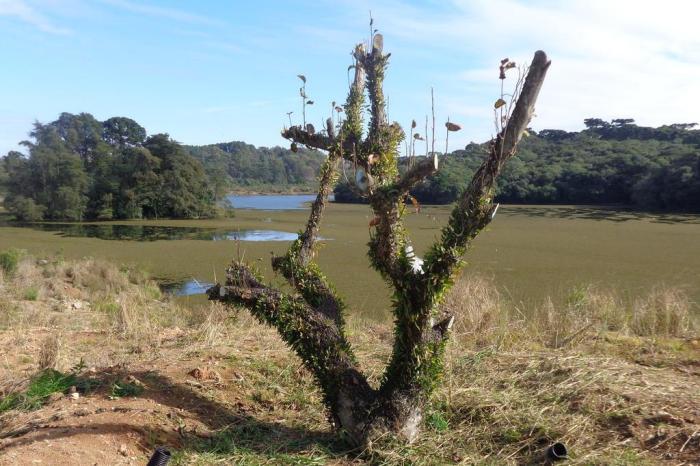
<point x="97" y="366"/>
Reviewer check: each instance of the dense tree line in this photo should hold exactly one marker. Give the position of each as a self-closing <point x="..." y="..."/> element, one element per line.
<point x="81" y="168"/>
<point x="237" y="165"/>
<point x="615" y="162"/>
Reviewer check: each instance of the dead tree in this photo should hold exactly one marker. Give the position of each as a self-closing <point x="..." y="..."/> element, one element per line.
<point x="311" y="320"/>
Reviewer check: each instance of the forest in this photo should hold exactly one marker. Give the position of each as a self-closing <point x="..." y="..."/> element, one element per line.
<point x="240" y="166"/>
<point x="79" y="168"/>
<point x="615" y="162"/>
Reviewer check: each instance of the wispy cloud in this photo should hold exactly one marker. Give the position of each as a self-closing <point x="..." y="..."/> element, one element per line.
<point x="620" y="58"/>
<point x="162" y="12"/>
<point x="23" y="11"/>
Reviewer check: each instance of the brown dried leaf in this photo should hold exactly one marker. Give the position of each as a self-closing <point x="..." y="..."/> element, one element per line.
<point x="415" y="203"/>
<point x="302" y="77"/>
<point x="452" y="126"/>
<point x="499" y="103"/>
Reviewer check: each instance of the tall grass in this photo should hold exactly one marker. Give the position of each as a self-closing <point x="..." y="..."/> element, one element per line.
<point x="485" y="318"/>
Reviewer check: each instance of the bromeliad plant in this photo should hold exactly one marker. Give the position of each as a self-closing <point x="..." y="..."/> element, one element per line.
<point x="311" y="319"/>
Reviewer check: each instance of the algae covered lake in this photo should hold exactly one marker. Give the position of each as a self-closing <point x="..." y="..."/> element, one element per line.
<point x="531" y="252"/>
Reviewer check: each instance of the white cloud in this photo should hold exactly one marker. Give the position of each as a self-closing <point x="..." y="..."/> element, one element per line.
<point x="23" y="11"/>
<point x="610" y="58"/>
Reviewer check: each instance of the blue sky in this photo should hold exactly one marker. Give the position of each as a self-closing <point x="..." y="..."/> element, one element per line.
<point x="213" y="71"/>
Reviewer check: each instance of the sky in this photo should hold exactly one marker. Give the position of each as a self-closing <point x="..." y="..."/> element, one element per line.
<point x="211" y="71"/>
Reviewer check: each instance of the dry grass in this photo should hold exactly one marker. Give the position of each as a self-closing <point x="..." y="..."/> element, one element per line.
<point x="49" y="352"/>
<point x="484" y="318"/>
<point x="617" y="384"/>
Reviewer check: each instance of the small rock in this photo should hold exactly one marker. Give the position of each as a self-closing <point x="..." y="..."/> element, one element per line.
<point x="74" y="395"/>
<point x="122" y="450"/>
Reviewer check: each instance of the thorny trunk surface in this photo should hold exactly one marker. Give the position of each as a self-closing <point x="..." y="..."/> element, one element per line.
<point x="311" y="320"/>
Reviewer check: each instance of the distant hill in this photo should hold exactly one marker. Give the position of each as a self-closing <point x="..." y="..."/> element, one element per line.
<point x="237" y="165"/>
<point x="614" y="162"/>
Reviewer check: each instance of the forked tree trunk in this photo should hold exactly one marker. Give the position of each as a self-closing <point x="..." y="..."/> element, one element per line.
<point x="311" y="320"/>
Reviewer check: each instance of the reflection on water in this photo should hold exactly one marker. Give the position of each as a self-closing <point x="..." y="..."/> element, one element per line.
<point x="188" y="288"/>
<point x="257" y="235"/>
<point x="272" y="201"/>
<point x="154" y="233"/>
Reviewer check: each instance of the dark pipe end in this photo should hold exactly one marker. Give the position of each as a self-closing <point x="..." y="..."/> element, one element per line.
<point x="160" y="457"/>
<point x="557" y="452"/>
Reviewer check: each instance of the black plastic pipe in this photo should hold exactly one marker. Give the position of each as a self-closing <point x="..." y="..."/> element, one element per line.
<point x="557" y="452"/>
<point x="160" y="457"/>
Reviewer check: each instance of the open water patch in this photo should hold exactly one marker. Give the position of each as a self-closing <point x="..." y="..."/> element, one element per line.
<point x="188" y="288"/>
<point x="257" y="235"/>
<point x="157" y="233"/>
<point x="272" y="201"/>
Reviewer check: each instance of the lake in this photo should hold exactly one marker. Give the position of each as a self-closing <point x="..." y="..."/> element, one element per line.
<point x="530" y="252"/>
<point x="118" y="232"/>
<point x="271" y="201"/>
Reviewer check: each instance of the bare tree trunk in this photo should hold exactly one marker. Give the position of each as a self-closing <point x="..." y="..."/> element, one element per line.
<point x="311" y="320"/>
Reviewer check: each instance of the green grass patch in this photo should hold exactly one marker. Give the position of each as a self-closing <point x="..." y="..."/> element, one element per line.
<point x="31" y="293"/>
<point x="40" y="388"/>
<point x="123" y="389"/>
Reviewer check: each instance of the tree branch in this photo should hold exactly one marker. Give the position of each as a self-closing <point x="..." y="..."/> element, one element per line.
<point x="315" y="140"/>
<point x="417" y="173"/>
<point x="474" y="209"/>
<point x="318" y="341"/>
<point x="297" y="264"/>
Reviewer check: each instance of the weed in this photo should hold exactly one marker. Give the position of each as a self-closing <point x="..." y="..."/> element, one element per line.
<point x="31" y="293"/>
<point x="49" y="352"/>
<point x="125" y="389"/>
<point x="42" y="386"/>
<point x="9" y="260"/>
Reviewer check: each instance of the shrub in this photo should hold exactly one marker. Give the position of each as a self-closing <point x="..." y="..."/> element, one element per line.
<point x="31" y="293"/>
<point x="9" y="259"/>
<point x="25" y="209"/>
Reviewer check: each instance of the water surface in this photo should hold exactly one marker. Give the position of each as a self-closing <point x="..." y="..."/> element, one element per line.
<point x="155" y="232"/>
<point x="272" y="201"/>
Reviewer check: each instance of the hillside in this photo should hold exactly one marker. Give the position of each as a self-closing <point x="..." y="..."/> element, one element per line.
<point x="240" y="166"/>
<point x="607" y="163"/>
<point x="100" y="368"/>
